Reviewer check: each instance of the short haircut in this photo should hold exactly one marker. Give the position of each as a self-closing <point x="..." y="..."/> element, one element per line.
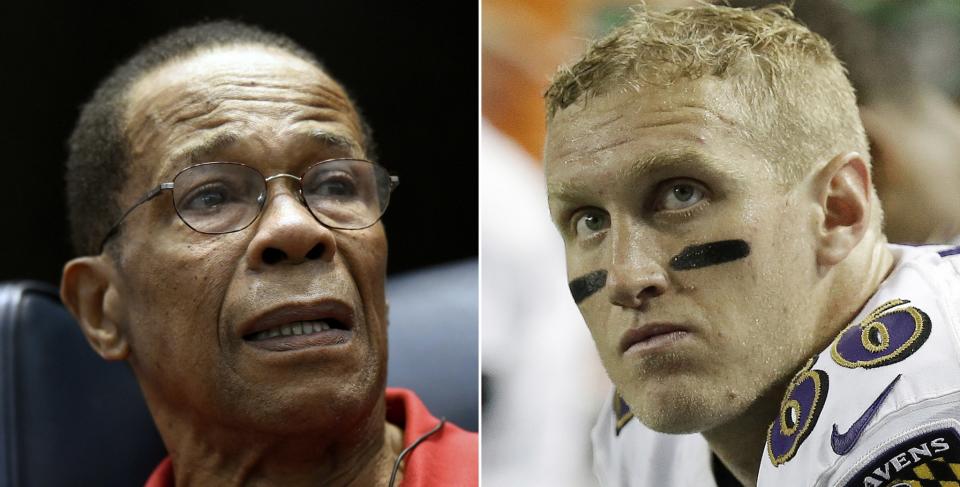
<point x="99" y="156"/>
<point x="799" y="106"/>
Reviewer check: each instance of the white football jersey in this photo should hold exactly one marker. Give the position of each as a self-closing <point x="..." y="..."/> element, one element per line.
<point x="628" y="454"/>
<point x="879" y="407"/>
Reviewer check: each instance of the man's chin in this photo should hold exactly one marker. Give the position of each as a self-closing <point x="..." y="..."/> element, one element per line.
<point x="325" y="408"/>
<point x="677" y="412"/>
<point x="674" y="425"/>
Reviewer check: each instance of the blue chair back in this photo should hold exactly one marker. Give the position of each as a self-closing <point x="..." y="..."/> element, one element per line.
<point x="69" y="418"/>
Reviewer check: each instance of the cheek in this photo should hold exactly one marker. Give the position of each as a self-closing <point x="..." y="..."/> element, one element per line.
<point x="778" y="250"/>
<point x="175" y="295"/>
<point x="598" y="315"/>
<point x="764" y="303"/>
<point x="365" y="255"/>
<point x="786" y="254"/>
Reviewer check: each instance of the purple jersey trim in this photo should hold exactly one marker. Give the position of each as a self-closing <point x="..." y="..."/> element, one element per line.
<point x="953" y="251"/>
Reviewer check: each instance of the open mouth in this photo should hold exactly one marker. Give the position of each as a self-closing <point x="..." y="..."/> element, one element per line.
<point x="299" y="328"/>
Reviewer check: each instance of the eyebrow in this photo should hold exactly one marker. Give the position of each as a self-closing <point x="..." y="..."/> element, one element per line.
<point x="205" y="150"/>
<point x="669" y="160"/>
<point x="335" y="141"/>
<point x="202" y="151"/>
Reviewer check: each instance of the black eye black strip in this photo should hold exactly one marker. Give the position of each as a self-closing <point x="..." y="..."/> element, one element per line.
<point x="713" y="253"/>
<point x="584" y="286"/>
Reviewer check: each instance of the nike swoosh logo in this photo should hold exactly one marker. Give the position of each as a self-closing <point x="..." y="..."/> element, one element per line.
<point x="843" y="443"/>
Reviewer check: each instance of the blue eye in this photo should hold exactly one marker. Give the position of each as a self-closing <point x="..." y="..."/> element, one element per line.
<point x="591" y="222"/>
<point x="680" y="195"/>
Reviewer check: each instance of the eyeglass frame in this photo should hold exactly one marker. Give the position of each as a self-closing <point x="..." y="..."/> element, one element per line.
<point x="394" y="181"/>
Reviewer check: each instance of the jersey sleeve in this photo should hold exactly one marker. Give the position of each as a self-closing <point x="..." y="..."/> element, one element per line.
<point x="917" y="446"/>
<point x="881" y="405"/>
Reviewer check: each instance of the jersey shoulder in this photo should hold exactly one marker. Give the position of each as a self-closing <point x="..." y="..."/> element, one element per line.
<point x="888" y="385"/>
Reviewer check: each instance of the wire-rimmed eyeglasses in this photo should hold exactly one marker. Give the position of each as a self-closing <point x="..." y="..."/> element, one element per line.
<point x="225" y="197"/>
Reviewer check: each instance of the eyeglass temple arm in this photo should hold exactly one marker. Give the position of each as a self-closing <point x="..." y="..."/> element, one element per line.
<point x="147" y="197"/>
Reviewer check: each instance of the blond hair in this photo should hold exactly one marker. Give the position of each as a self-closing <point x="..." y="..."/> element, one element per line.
<point x="799" y="107"/>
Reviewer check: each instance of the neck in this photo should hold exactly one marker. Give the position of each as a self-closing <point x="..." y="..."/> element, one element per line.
<point x="740" y="444"/>
<point x="208" y="454"/>
<point x="853" y="282"/>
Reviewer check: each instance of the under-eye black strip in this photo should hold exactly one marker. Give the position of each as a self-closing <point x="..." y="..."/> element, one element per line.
<point x="713" y="253"/>
<point x="584" y="286"/>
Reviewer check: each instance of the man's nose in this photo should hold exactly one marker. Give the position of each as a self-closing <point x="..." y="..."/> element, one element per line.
<point x="635" y="275"/>
<point x="287" y="233"/>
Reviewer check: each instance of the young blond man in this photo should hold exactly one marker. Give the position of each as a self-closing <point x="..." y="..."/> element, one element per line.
<point x="709" y="174"/>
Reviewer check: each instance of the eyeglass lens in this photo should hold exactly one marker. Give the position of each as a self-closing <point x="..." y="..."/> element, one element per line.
<point x="226" y="197"/>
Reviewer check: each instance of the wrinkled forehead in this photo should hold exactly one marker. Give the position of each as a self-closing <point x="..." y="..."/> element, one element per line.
<point x="638" y="122"/>
<point x="213" y="73"/>
<point x="241" y="92"/>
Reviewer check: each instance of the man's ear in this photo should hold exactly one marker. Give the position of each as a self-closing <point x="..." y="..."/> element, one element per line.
<point x="88" y="291"/>
<point x="844" y="197"/>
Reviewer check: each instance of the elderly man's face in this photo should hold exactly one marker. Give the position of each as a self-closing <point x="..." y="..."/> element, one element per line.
<point x="696" y="258"/>
<point x="190" y="303"/>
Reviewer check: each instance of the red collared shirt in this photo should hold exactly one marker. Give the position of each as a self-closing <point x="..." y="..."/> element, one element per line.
<point x="446" y="458"/>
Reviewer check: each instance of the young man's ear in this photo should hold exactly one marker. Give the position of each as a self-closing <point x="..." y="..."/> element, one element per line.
<point x="843" y="190"/>
<point x="88" y="292"/>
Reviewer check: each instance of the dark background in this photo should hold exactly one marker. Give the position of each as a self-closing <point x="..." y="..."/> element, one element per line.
<point x="411" y="66"/>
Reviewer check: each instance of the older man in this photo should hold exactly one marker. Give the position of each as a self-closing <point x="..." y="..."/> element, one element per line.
<point x="710" y="177"/>
<point x="220" y="187"/>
